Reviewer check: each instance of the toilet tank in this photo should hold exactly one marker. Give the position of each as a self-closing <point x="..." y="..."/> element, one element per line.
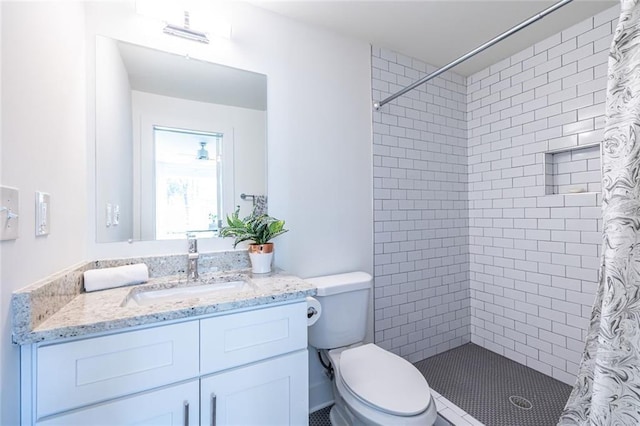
<point x="345" y="305"/>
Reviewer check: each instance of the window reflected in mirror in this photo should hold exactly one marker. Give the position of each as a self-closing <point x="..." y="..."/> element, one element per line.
<point x="188" y="182"/>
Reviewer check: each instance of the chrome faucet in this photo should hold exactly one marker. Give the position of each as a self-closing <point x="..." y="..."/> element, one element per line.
<point x="192" y="258"/>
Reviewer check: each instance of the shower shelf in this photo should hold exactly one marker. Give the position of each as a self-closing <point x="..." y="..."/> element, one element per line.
<point x="575" y="170"/>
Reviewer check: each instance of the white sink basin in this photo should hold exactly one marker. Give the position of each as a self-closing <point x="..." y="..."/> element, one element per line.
<point x="187" y="292"/>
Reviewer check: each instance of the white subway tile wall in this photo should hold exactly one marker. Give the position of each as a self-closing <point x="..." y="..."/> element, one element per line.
<point x="534" y="256"/>
<point x="469" y="245"/>
<point x="422" y="304"/>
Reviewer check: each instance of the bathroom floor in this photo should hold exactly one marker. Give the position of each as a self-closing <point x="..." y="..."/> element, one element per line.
<point x="454" y="415"/>
<point x="320" y="417"/>
<point x="448" y="414"/>
<point x="480" y="382"/>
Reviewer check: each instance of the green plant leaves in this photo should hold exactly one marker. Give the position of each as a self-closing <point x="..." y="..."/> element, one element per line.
<point x="257" y="228"/>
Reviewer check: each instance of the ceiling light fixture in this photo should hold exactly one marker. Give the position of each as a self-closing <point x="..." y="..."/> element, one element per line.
<point x="203" y="154"/>
<point x="212" y="18"/>
<point x="185" y="31"/>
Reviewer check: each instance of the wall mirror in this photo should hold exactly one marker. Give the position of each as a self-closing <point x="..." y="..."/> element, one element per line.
<point x="178" y="141"/>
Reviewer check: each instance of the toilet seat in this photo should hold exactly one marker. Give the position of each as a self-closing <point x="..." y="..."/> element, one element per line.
<point x="384" y="381"/>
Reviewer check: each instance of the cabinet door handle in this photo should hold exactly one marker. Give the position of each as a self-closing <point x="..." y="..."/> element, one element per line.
<point x="186" y="413"/>
<point x="213" y="409"/>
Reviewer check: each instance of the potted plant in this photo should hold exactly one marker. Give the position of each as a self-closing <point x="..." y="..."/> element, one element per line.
<point x="258" y="228"/>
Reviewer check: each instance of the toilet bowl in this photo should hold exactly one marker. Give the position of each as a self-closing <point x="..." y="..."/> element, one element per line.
<point x="375" y="387"/>
<point x="371" y="386"/>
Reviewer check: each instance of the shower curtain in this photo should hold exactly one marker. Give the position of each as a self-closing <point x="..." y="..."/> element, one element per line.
<point x="607" y="391"/>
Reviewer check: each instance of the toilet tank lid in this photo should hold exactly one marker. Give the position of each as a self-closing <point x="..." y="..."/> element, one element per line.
<point x="341" y="283"/>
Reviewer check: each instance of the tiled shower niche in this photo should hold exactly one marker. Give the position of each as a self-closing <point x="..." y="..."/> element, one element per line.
<point x="574" y="170"/>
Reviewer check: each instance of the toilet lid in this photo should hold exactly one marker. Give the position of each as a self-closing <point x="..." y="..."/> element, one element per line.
<point x="384" y="380"/>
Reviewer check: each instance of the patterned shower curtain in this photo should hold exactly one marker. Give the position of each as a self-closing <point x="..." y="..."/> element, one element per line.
<point x="607" y="391"/>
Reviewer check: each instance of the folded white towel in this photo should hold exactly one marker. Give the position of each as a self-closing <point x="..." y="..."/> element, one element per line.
<point x="100" y="279"/>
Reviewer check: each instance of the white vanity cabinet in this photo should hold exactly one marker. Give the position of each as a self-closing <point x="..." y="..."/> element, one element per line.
<point x="265" y="393"/>
<point x="266" y="389"/>
<point x="175" y="405"/>
<point x="252" y="363"/>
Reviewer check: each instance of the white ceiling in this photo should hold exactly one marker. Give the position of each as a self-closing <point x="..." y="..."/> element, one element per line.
<point x="438" y="32"/>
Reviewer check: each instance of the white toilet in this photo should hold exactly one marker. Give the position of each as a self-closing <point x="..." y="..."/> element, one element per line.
<point x="371" y="386"/>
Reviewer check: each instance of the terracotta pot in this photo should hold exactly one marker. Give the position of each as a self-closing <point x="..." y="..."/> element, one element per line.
<point x="261" y="256"/>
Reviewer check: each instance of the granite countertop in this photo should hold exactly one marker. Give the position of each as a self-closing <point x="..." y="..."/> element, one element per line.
<point x="117" y="309"/>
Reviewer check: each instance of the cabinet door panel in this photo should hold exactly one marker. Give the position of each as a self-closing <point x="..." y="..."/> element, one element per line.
<point x="88" y="371"/>
<point x="273" y="392"/>
<point x="231" y="340"/>
<point x="163" y="407"/>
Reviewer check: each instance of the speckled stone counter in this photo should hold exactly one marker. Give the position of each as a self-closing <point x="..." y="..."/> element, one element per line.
<point x="109" y="310"/>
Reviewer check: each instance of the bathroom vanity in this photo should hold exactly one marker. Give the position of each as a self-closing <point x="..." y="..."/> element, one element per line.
<point x="235" y="356"/>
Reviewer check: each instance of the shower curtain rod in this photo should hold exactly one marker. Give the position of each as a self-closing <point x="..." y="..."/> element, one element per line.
<point x="523" y="24"/>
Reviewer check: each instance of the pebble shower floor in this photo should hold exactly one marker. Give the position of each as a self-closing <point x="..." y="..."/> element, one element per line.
<point x="481" y="383"/>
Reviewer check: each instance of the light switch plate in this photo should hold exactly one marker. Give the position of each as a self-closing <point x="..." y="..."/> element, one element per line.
<point x="9" y="213"/>
<point x="108" y="215"/>
<point x="43" y="207"/>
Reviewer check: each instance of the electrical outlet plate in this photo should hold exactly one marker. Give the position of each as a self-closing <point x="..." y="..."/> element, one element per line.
<point x="9" y="213"/>
<point x="116" y="215"/>
<point x="43" y="206"/>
